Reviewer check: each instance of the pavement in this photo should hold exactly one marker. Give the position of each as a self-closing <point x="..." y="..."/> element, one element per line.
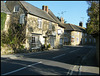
<point x="88" y="64"/>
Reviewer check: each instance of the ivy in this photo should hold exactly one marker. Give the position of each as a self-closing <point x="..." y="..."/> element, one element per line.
<point x="3" y="19"/>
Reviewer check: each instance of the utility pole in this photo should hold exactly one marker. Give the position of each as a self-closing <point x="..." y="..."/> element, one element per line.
<point x="63" y="13"/>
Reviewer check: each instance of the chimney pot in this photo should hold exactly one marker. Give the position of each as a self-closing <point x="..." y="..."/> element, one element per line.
<point x="43" y="7"/>
<point x="81" y="24"/>
<point x="62" y="20"/>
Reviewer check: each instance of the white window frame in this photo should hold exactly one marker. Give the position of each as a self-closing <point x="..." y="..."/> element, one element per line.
<point x="50" y="25"/>
<point x="16" y="7"/>
<point x="35" y="42"/>
<point x="22" y="16"/>
<point x="39" y="23"/>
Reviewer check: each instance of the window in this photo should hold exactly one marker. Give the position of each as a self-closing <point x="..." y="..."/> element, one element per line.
<point x="61" y="41"/>
<point x="22" y="18"/>
<point x="50" y="26"/>
<point x="77" y="39"/>
<point x="65" y="39"/>
<point x="85" y="40"/>
<point x="94" y="40"/>
<point x="16" y="8"/>
<point x="85" y="34"/>
<point x="82" y="34"/>
<point x="90" y="40"/>
<point x="39" y="23"/>
<point x="33" y="39"/>
<point x="77" y="33"/>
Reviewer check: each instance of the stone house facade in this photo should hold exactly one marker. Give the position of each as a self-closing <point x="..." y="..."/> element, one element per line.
<point x="76" y="35"/>
<point x="5" y="10"/>
<point x="41" y="25"/>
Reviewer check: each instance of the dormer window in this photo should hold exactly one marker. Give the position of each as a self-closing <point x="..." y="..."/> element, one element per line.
<point x="16" y="8"/>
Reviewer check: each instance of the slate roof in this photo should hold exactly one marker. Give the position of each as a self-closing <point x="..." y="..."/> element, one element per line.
<point x="4" y="8"/>
<point x="55" y="18"/>
<point x="71" y="27"/>
<point x="36" y="11"/>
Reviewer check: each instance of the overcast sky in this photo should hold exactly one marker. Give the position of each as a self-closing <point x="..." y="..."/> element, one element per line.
<point x="74" y="11"/>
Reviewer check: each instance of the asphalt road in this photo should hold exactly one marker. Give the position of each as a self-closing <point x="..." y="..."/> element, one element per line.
<point x="64" y="61"/>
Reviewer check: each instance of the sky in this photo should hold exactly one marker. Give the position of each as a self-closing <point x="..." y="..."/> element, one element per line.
<point x="73" y="11"/>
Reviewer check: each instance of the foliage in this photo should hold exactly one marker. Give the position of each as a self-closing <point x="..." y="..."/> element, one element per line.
<point x="15" y="36"/>
<point x="60" y="19"/>
<point x="49" y="46"/>
<point x="3" y="19"/>
<point x="93" y="20"/>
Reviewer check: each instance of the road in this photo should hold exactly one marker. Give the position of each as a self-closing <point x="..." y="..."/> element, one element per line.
<point x="64" y="61"/>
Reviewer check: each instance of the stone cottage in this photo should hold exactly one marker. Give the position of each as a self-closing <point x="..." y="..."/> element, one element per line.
<point x="5" y="10"/>
<point x="76" y="35"/>
<point x="41" y="27"/>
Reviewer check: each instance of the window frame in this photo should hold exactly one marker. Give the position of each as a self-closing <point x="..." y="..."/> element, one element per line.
<point x="16" y="7"/>
<point x="40" y="23"/>
<point x="22" y="16"/>
<point x="85" y="39"/>
<point x="50" y="25"/>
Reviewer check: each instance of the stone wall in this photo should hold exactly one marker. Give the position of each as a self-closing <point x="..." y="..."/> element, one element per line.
<point x="15" y="16"/>
<point x="75" y="37"/>
<point x="57" y="43"/>
<point x="7" y="23"/>
<point x="32" y="27"/>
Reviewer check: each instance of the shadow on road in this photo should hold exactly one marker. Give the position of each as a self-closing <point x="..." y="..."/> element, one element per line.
<point x="55" y="69"/>
<point x="41" y="69"/>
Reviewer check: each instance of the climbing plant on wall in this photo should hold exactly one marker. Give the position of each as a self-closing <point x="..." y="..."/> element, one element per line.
<point x="3" y="19"/>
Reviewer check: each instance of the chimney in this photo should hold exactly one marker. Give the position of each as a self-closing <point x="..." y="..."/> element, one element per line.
<point x="45" y="8"/>
<point x="81" y="24"/>
<point x="62" y="20"/>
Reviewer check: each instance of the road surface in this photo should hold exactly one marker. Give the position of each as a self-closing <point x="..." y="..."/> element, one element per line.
<point x="65" y="61"/>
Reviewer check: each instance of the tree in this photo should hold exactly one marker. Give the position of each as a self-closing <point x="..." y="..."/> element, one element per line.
<point x="93" y="20"/>
<point x="60" y="19"/>
<point x="93" y="24"/>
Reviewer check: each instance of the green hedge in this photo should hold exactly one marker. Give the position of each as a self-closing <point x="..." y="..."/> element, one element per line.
<point x="3" y="19"/>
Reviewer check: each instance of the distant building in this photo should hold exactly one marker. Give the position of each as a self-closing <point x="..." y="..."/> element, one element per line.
<point x="76" y="35"/>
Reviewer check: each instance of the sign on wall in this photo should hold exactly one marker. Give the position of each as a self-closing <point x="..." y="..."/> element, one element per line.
<point x="72" y="38"/>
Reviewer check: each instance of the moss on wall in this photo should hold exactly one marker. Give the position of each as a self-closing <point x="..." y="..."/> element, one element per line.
<point x="3" y="19"/>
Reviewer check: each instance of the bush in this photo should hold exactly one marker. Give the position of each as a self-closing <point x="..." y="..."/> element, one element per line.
<point x="48" y="46"/>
